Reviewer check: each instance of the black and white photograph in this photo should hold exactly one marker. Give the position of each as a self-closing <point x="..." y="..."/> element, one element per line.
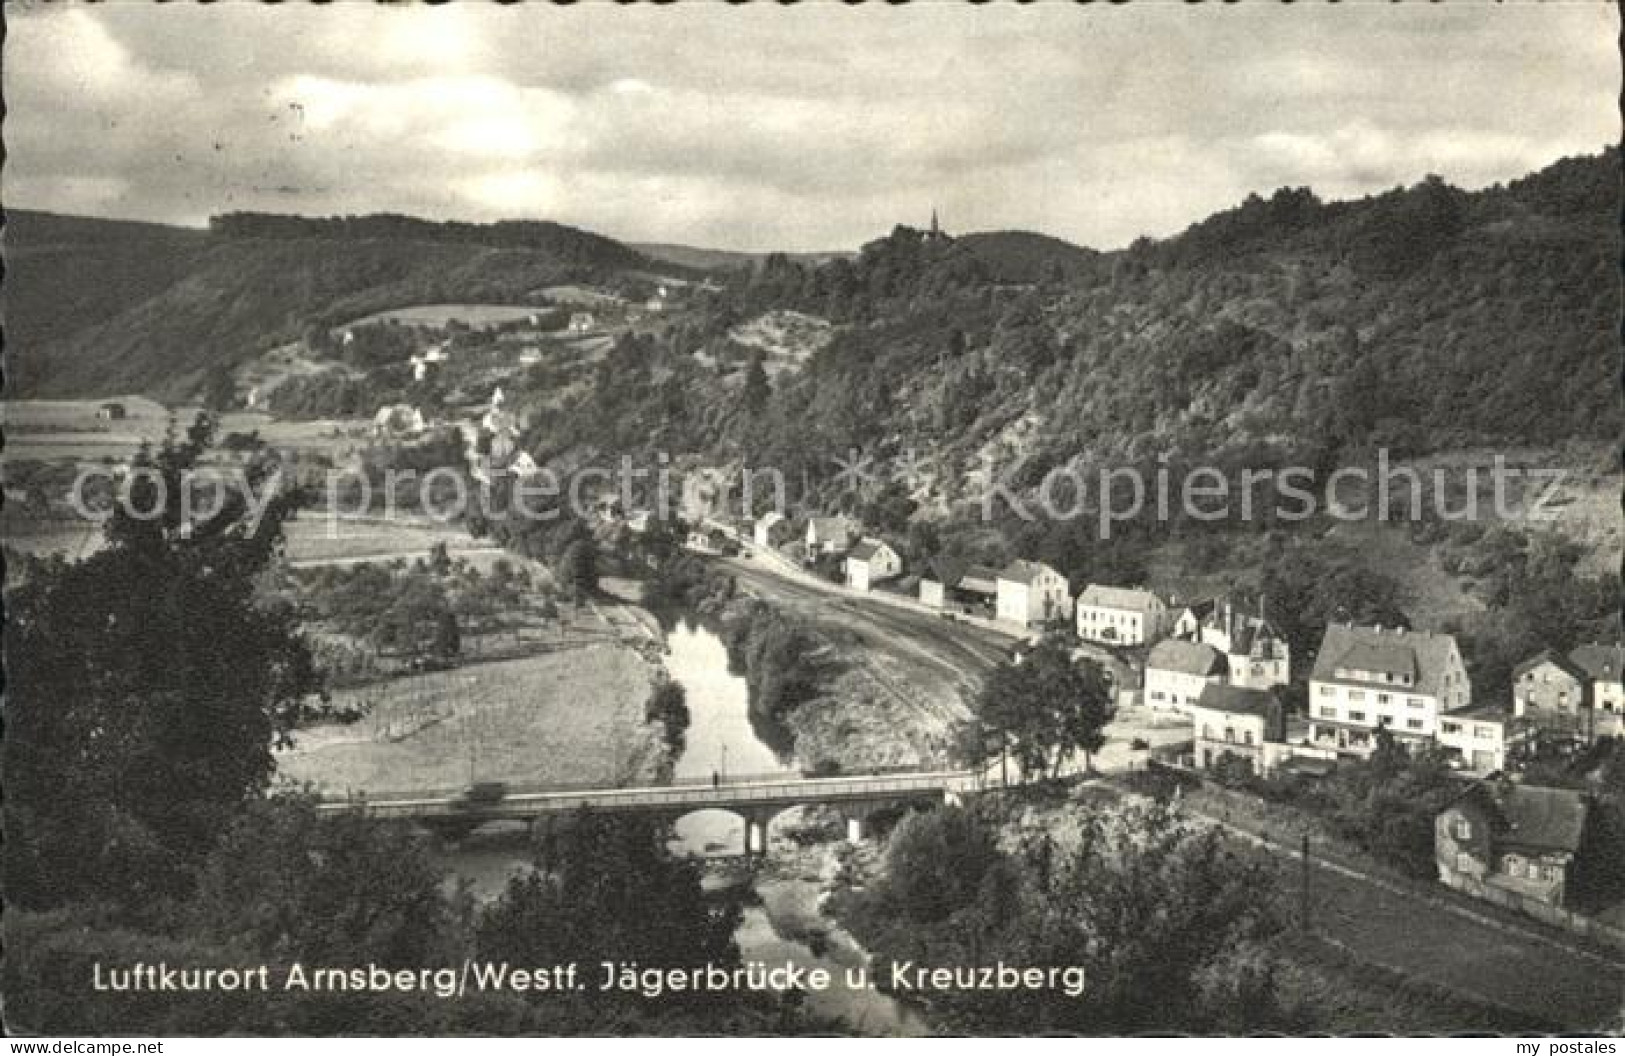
<point x="821" y="519"/>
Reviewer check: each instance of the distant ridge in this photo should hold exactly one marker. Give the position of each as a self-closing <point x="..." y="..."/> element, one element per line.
<point x="726" y="259"/>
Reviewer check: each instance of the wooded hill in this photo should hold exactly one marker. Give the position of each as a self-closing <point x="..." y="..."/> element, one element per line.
<point x="100" y="306"/>
<point x="1421" y="319"/>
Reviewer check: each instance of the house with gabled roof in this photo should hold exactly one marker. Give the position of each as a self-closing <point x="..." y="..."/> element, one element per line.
<point x="1030" y="594"/>
<point x="1176" y="673"/>
<point x="1603" y="664"/>
<point x="1249" y="724"/>
<point x="1120" y="615"/>
<point x="1553" y="694"/>
<point x="871" y="561"/>
<point x="829" y="535"/>
<point x="1257" y="653"/>
<point x="1371" y="678"/>
<point x="1503" y="839"/>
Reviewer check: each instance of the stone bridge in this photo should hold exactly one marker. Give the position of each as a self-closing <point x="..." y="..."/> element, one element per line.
<point x="755" y="800"/>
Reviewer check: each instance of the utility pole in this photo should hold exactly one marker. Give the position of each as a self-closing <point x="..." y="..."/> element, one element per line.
<point x="1304" y="922"/>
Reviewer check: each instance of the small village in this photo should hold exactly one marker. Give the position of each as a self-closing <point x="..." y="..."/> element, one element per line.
<point x="1213" y="667"/>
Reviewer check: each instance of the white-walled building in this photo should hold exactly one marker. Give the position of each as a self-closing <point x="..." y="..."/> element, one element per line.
<point x="1246" y="723"/>
<point x="1256" y="653"/>
<point x="1366" y="678"/>
<point x="1030" y="593"/>
<point x="829" y="535"/>
<point x="1176" y="672"/>
<point x="871" y="562"/>
<point x="1121" y="615"/>
<point x="1481" y="736"/>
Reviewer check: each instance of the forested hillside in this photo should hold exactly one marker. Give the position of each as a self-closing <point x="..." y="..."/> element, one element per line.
<point x="97" y="306"/>
<point x="1421" y="319"/>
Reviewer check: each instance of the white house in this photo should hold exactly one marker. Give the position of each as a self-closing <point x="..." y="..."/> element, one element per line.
<point x="829" y="535"/>
<point x="1120" y="615"/>
<point x="1257" y="654"/>
<point x="771" y="529"/>
<point x="1177" y="671"/>
<point x="870" y="562"/>
<point x="1246" y="723"/>
<point x="1366" y="678"/>
<point x="582" y="322"/>
<point x="1030" y="592"/>
<point x="1481" y="736"/>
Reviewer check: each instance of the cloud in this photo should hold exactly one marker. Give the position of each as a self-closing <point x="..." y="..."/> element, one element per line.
<point x="767" y="127"/>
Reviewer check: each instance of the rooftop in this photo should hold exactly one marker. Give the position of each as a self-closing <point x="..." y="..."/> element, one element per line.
<point x="1187" y="658"/>
<point x="1131" y="599"/>
<point x="1027" y="572"/>
<point x="1422" y="656"/>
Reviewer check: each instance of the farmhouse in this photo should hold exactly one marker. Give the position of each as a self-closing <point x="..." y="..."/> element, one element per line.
<point x="829" y="535"/>
<point x="1602" y="665"/>
<point x="1248" y="724"/>
<point x="1367" y="678"/>
<point x="772" y="529"/>
<point x="1029" y="593"/>
<point x="1120" y="616"/>
<point x="955" y="585"/>
<point x="1176" y="673"/>
<point x="870" y="562"/>
<point x="1509" y="842"/>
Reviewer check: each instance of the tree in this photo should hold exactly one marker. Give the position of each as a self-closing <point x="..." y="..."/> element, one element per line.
<point x="145" y="686"/>
<point x="1046" y="707"/>
<point x="757" y="389"/>
<point x="605" y="888"/>
<point x="327" y="890"/>
<point x="578" y="567"/>
<point x="668" y="705"/>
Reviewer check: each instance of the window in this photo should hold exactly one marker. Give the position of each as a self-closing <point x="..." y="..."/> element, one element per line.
<point x="1207" y="732"/>
<point x="1327" y="691"/>
<point x="1484" y="733"/>
<point x="1247" y="737"/>
<point x="1328" y="713"/>
<point x="1451" y="727"/>
<point x="1413" y="724"/>
<point x="1356" y="694"/>
<point x="1157" y="695"/>
<point x="1414" y="702"/>
<point x="1229" y="735"/>
<point x="1356" y="716"/>
<point x="1463" y="829"/>
<point x="1383" y="698"/>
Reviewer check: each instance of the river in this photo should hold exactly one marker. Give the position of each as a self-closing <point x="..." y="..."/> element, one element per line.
<point x="724" y="739"/>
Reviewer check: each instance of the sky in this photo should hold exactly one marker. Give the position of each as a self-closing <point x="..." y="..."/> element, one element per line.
<point x="812" y="127"/>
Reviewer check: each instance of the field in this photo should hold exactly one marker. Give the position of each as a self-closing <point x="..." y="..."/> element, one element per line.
<point x="314" y="539"/>
<point x="572" y="715"/>
<point x="581" y="295"/>
<point x="474" y="315"/>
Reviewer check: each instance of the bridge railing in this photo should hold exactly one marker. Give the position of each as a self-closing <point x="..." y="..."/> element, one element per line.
<point x="810" y="790"/>
<point x="511" y="789"/>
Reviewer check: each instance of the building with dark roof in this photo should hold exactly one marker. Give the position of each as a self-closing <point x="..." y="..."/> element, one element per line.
<point x="1371" y="678"/>
<point x="1177" y="672"/>
<point x="1504" y="839"/>
<point x="1603" y="664"/>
